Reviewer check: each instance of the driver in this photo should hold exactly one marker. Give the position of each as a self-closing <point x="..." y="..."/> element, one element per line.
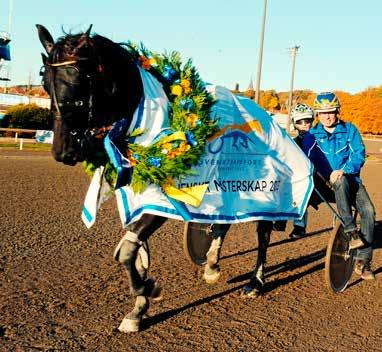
<point x="302" y="118"/>
<point x="342" y="145"/>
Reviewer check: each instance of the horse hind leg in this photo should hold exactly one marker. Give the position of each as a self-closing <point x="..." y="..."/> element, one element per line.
<point x="256" y="284"/>
<point x="212" y="268"/>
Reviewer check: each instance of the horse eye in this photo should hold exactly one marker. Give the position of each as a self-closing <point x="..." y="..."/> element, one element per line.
<point x="69" y="74"/>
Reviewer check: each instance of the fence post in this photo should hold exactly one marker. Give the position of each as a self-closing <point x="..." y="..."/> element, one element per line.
<point x="16" y="135"/>
<point x="21" y="143"/>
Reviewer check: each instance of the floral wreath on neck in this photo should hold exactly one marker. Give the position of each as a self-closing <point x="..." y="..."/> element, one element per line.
<point x="172" y="156"/>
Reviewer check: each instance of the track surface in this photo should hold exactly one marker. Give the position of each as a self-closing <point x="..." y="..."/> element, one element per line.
<point x="61" y="290"/>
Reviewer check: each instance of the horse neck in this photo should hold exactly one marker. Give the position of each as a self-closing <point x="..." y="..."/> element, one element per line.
<point x="123" y="85"/>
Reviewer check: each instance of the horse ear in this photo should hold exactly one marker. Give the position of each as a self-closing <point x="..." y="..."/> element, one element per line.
<point x="45" y="38"/>
<point x="88" y="31"/>
<point x="84" y="40"/>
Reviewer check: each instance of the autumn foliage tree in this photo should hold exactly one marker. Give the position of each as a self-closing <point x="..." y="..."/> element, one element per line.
<point x="364" y="109"/>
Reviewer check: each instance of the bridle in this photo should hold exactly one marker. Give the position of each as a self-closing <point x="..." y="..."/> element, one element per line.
<point x="91" y="132"/>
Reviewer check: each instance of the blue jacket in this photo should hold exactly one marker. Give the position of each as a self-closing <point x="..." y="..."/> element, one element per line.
<point x="343" y="149"/>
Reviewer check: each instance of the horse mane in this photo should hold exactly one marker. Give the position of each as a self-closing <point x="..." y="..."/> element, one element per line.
<point x="71" y="46"/>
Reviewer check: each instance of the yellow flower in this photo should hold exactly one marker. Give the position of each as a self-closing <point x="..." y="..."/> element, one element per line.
<point x="153" y="62"/>
<point x="167" y="146"/>
<point x="183" y="147"/>
<point x="177" y="90"/>
<point x="192" y="119"/>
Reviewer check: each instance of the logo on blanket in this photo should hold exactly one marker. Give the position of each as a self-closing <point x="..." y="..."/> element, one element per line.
<point x="234" y="137"/>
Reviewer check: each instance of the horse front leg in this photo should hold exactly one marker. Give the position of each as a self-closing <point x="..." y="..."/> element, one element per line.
<point x="212" y="268"/>
<point x="133" y="252"/>
<point x="257" y="281"/>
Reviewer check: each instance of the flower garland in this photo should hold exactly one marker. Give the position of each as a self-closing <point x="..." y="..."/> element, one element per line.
<point x="172" y="156"/>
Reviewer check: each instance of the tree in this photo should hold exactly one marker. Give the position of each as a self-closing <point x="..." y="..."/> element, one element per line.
<point x="29" y="116"/>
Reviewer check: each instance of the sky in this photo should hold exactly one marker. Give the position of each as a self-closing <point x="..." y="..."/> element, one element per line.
<point x="340" y="41"/>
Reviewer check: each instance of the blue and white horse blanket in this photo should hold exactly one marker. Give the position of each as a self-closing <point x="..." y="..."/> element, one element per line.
<point x="251" y="168"/>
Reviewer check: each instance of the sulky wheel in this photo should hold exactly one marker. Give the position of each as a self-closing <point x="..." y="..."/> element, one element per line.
<point x="197" y="240"/>
<point x="339" y="260"/>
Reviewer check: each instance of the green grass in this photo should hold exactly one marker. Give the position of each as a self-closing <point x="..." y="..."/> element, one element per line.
<point x="26" y="146"/>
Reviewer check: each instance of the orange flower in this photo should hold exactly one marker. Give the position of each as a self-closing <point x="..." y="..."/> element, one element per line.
<point x="186" y="85"/>
<point x="145" y="62"/>
<point x="170" y="181"/>
<point x="172" y="154"/>
<point x="183" y="147"/>
<point x="192" y="119"/>
<point x="132" y="160"/>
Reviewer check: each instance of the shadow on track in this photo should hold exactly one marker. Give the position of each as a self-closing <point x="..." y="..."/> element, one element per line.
<point x="286" y="266"/>
<point x="287" y="240"/>
<point x="159" y="318"/>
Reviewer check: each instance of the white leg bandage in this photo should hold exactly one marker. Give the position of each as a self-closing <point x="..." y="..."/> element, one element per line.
<point x="129" y="236"/>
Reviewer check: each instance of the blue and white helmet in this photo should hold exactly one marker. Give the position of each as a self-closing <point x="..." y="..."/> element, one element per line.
<point x="301" y="111"/>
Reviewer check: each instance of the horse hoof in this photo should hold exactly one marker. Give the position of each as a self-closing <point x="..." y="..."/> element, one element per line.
<point x="211" y="277"/>
<point x="250" y="291"/>
<point x="129" y="325"/>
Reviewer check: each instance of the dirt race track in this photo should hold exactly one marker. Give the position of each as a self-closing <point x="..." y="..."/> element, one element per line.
<point x="60" y="289"/>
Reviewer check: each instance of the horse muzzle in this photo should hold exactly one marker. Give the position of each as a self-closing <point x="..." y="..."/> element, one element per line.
<point x="68" y="158"/>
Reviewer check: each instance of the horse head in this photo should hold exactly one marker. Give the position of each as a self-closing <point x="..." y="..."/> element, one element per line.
<point x="92" y="83"/>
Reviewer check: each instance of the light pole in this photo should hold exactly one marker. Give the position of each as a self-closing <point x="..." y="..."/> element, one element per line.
<point x="257" y="93"/>
<point x="10" y="10"/>
<point x="293" y="51"/>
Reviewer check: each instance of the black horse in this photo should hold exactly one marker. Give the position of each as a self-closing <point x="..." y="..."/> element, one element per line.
<point x="92" y="83"/>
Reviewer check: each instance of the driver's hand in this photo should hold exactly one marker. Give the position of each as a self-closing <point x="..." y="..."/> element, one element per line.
<point x="336" y="175"/>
